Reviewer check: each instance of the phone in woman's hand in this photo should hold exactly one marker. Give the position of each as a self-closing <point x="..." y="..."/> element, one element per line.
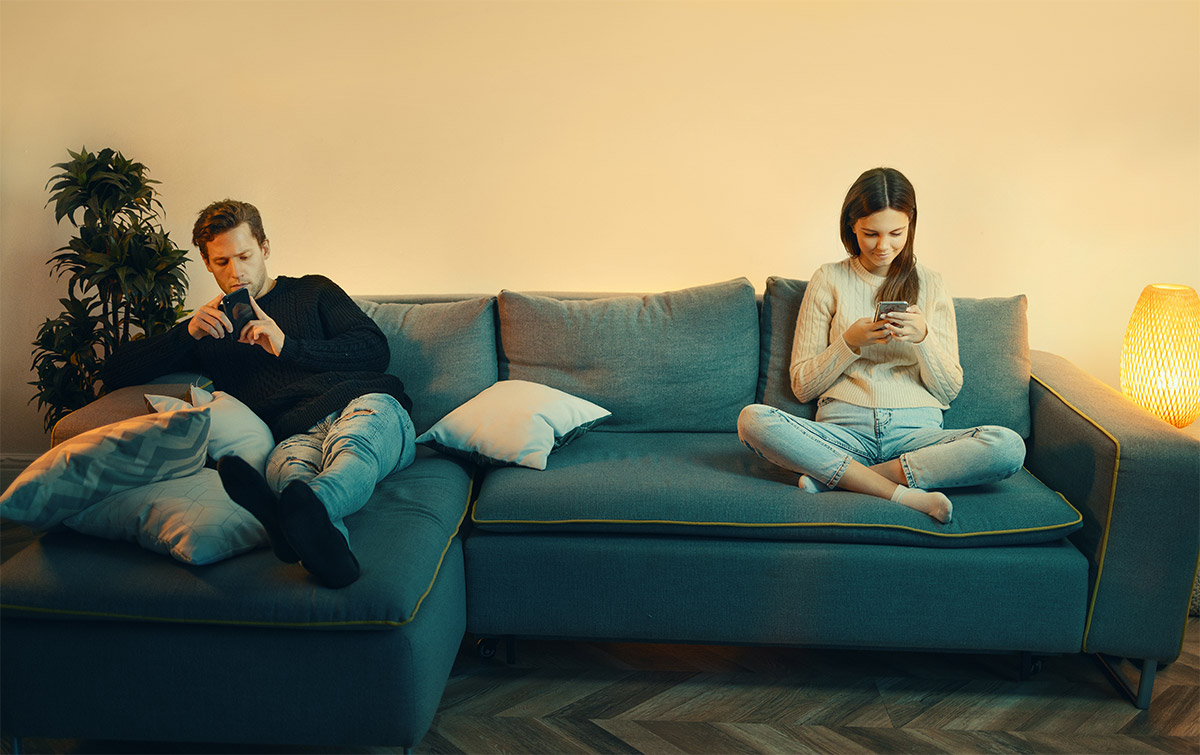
<point x="884" y="307"/>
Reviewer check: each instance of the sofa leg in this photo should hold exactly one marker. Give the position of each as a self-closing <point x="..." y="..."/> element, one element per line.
<point x="510" y="650"/>
<point x="1030" y="664"/>
<point x="1145" y="687"/>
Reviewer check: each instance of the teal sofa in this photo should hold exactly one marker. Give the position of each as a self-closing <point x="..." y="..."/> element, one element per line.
<point x="656" y="525"/>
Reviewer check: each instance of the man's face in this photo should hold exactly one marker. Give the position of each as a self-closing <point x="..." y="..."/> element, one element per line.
<point x="236" y="260"/>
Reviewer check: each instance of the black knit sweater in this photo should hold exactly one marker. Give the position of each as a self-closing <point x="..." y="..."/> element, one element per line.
<point x="332" y="353"/>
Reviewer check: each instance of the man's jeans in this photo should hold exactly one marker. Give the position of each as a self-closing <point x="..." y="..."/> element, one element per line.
<point x="344" y="455"/>
<point x="931" y="456"/>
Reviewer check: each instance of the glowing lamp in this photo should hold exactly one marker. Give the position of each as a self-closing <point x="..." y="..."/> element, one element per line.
<point x="1160" y="359"/>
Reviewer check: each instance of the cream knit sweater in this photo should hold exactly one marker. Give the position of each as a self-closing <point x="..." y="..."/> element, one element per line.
<point x="892" y="375"/>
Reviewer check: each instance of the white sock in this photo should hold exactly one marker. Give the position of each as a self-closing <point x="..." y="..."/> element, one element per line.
<point x="809" y="485"/>
<point x="899" y="493"/>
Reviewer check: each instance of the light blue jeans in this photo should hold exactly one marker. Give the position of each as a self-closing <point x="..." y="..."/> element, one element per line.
<point x="931" y="456"/>
<point x="343" y="456"/>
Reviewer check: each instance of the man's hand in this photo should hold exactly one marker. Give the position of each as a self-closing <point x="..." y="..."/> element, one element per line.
<point x="263" y="331"/>
<point x="209" y="321"/>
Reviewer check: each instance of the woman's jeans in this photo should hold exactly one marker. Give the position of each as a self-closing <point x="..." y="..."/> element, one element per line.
<point x="344" y="455"/>
<point x="930" y="456"/>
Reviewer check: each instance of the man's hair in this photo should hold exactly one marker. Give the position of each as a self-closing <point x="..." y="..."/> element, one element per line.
<point x="223" y="216"/>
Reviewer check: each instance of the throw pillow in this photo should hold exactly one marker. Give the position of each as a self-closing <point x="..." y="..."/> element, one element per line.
<point x="514" y="423"/>
<point x="188" y="518"/>
<point x="683" y="360"/>
<point x="94" y="465"/>
<point x="235" y="428"/>
<point x="993" y="348"/>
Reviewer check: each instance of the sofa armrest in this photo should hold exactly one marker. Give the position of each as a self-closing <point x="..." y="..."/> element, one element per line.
<point x="1136" y="480"/>
<point x="122" y="403"/>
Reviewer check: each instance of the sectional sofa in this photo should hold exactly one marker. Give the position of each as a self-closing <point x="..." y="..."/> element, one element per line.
<point x="655" y="525"/>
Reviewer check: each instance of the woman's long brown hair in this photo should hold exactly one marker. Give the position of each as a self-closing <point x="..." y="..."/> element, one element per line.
<point x="885" y="189"/>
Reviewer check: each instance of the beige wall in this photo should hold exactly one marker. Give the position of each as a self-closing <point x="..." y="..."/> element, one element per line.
<point x="638" y="146"/>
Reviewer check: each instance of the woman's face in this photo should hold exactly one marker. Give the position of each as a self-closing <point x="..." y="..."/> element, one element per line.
<point x="881" y="237"/>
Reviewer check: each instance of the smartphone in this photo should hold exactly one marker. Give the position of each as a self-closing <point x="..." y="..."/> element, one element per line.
<point x="236" y="307"/>
<point x="883" y="307"/>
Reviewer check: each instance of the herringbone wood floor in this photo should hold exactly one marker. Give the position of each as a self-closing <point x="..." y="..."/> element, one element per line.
<point x="581" y="697"/>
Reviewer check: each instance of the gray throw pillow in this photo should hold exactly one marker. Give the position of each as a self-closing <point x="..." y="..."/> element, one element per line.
<point x="682" y="360"/>
<point x="445" y="352"/>
<point x="993" y="348"/>
<point x="780" y="308"/>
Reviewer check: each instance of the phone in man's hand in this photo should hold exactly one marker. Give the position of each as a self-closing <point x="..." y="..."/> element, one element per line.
<point x="884" y="307"/>
<point x="237" y="308"/>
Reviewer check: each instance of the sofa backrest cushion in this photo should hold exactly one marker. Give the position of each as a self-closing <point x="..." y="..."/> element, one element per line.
<point x="445" y="352"/>
<point x="993" y="348"/>
<point x="682" y="360"/>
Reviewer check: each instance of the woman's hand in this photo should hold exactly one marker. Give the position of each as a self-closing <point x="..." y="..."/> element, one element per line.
<point x="209" y="321"/>
<point x="909" y="326"/>
<point x="866" y="332"/>
<point x="263" y="331"/>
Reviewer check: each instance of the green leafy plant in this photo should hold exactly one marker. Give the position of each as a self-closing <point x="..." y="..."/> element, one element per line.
<point x="125" y="277"/>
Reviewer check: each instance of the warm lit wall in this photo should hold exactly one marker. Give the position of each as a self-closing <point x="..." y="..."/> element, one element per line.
<point x="636" y="146"/>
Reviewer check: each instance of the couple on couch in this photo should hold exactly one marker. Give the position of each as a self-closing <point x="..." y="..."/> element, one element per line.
<point x="312" y="365"/>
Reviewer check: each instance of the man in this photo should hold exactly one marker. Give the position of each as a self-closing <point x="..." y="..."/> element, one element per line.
<point x="311" y="364"/>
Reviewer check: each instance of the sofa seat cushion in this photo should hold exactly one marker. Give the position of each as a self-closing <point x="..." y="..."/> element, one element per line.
<point x="400" y="537"/>
<point x="709" y="484"/>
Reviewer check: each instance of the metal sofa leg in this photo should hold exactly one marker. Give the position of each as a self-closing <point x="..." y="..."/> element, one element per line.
<point x="1145" y="687"/>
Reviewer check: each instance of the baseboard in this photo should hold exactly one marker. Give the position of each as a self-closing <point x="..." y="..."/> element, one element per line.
<point x="12" y="465"/>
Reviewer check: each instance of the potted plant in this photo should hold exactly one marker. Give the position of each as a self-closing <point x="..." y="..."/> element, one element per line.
<point x="126" y="278"/>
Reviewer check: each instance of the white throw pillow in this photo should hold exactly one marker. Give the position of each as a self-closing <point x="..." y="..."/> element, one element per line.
<point x="235" y="428"/>
<point x="514" y="422"/>
<point x="188" y="518"/>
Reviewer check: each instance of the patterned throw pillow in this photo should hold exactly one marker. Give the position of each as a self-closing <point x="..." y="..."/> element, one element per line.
<point x="235" y="428"/>
<point x="94" y="465"/>
<point x="188" y="518"/>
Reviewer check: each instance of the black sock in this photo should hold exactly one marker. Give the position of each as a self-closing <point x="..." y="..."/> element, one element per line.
<point x="249" y="490"/>
<point x="323" y="549"/>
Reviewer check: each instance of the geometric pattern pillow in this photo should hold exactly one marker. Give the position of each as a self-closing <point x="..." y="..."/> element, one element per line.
<point x="94" y="465"/>
<point x="235" y="430"/>
<point x="188" y="518"/>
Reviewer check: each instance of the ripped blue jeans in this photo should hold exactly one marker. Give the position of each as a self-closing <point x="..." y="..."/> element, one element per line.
<point x="343" y="456"/>
<point x="931" y="456"/>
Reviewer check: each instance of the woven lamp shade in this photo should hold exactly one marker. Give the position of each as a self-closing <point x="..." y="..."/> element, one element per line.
<point x="1160" y="359"/>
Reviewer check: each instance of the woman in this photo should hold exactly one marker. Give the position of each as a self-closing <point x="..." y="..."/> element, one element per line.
<point x="883" y="385"/>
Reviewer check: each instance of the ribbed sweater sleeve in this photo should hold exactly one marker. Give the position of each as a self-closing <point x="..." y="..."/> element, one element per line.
<point x="144" y="359"/>
<point x="819" y="355"/>
<point x="937" y="355"/>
